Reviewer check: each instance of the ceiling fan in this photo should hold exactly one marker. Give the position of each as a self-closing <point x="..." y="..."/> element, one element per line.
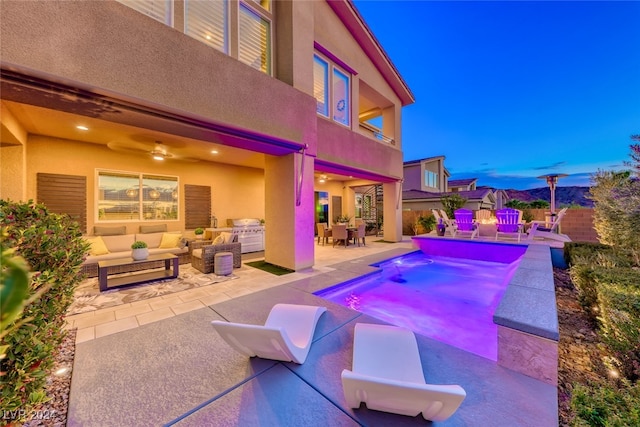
<point x="157" y="150"/>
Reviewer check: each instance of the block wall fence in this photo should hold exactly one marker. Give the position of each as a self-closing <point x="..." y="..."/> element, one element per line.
<point x="577" y="223"/>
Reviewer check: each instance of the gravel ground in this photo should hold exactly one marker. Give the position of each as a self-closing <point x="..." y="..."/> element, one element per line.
<point x="579" y="359"/>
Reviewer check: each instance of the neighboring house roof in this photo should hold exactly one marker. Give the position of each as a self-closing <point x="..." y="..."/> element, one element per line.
<point x="472" y="195"/>
<point x="461" y="182"/>
<point x="353" y="21"/>
<point x="413" y="162"/>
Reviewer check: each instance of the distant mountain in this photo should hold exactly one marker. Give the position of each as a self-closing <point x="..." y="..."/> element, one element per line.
<point x="564" y="195"/>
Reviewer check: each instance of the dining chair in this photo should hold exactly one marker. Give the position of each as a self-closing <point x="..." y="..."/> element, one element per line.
<point x="323" y="232"/>
<point x="339" y="233"/>
<point x="359" y="234"/>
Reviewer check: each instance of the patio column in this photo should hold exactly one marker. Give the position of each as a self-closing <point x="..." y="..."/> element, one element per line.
<point x="392" y="208"/>
<point x="289" y="226"/>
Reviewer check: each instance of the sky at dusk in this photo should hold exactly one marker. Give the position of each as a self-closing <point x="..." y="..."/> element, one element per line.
<point x="509" y="91"/>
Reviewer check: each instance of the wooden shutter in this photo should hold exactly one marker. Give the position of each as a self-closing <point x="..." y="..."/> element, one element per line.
<point x="197" y="206"/>
<point x="64" y="194"/>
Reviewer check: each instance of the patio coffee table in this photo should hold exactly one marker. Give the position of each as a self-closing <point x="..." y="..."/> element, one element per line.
<point x="133" y="278"/>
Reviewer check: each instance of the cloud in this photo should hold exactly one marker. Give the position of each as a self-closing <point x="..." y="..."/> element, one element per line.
<point x="555" y="165"/>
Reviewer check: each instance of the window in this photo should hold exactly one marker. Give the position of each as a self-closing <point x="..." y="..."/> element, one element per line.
<point x="207" y="22"/>
<point x="320" y="89"/>
<point x="254" y="40"/>
<point x="160" y="10"/>
<point x="137" y="197"/>
<point x="340" y="96"/>
<point x="431" y="179"/>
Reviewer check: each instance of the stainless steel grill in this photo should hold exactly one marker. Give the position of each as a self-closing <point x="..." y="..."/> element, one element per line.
<point x="250" y="233"/>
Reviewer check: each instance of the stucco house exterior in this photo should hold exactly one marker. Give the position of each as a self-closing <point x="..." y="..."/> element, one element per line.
<point x="232" y="109"/>
<point x="426" y="181"/>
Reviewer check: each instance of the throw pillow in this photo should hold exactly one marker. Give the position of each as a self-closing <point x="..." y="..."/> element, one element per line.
<point x="218" y="240"/>
<point x="97" y="246"/>
<point x="144" y="229"/>
<point x="227" y="237"/>
<point x="109" y="231"/>
<point x="170" y="240"/>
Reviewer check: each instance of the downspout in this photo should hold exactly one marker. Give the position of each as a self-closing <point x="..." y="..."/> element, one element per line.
<point x="300" y="178"/>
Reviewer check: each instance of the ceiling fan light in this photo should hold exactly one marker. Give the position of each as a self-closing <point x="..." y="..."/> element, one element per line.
<point x="158" y="157"/>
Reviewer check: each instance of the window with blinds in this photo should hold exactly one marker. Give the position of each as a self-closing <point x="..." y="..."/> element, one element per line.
<point x="320" y="85"/>
<point x="160" y="10"/>
<point x="207" y="21"/>
<point x="254" y="40"/>
<point x="327" y="75"/>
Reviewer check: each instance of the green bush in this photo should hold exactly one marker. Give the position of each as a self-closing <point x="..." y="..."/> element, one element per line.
<point x="452" y="202"/>
<point x="619" y="303"/>
<point x="583" y="277"/>
<point x="602" y="404"/>
<point x="583" y="251"/>
<point x="52" y="245"/>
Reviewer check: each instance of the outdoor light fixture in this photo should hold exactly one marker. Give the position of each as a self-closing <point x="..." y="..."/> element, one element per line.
<point x="322" y="179"/>
<point x="552" y="181"/>
<point x="132" y="192"/>
<point x="154" y="194"/>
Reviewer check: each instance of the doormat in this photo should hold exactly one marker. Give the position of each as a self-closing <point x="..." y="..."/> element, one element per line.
<point x="88" y="297"/>
<point x="269" y="268"/>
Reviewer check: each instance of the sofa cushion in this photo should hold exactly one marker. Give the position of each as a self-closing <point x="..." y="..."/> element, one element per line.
<point x="157" y="228"/>
<point x="197" y="253"/>
<point x="119" y="243"/>
<point x="98" y="247"/>
<point x="218" y="240"/>
<point x="227" y="237"/>
<point x="170" y="240"/>
<point x="99" y="230"/>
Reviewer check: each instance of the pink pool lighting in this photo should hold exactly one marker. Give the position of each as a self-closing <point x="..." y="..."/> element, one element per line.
<point x="448" y="297"/>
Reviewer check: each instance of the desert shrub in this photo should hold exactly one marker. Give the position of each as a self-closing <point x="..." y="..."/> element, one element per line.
<point x="52" y="245"/>
<point x="602" y="404"/>
<point x="583" y="277"/>
<point x="583" y="252"/>
<point x="616" y="214"/>
<point x="427" y="222"/>
<point x="619" y="303"/>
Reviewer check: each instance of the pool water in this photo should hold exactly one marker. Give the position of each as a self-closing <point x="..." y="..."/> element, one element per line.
<point x="449" y="299"/>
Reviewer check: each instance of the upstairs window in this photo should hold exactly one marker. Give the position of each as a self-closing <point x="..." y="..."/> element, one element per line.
<point x="320" y="88"/>
<point x="207" y="21"/>
<point x="160" y="10"/>
<point x="254" y="40"/>
<point x="336" y="102"/>
<point x="431" y="179"/>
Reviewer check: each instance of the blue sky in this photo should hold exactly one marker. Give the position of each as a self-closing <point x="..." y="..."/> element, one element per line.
<point x="509" y="91"/>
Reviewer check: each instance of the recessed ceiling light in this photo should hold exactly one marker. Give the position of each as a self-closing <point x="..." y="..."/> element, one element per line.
<point x="157" y="157"/>
<point x="80" y="127"/>
<point x="214" y="151"/>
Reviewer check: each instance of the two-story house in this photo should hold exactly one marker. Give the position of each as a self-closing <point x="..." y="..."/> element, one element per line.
<point x="426" y="181"/>
<point x="130" y="113"/>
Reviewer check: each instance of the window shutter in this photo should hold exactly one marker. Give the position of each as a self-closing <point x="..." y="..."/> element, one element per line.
<point x="64" y="194"/>
<point x="197" y="206"/>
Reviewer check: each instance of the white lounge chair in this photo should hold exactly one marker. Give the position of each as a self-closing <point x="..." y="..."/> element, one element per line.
<point x="387" y="375"/>
<point x="451" y="224"/>
<point x="538" y="230"/>
<point x="286" y="335"/>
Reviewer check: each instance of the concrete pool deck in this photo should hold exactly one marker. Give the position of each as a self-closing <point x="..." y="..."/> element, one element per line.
<point x="178" y="371"/>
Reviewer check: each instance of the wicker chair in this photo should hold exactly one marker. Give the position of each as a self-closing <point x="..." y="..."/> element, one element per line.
<point x="203" y="259"/>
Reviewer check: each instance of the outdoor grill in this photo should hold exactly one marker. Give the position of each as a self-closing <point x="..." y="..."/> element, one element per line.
<point x="250" y="233"/>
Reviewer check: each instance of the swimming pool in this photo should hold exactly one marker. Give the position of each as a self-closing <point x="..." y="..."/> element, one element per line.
<point x="446" y="292"/>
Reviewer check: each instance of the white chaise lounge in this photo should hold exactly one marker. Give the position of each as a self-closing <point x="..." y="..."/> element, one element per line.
<point x="286" y="335"/>
<point x="537" y="229"/>
<point x="387" y="375"/>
